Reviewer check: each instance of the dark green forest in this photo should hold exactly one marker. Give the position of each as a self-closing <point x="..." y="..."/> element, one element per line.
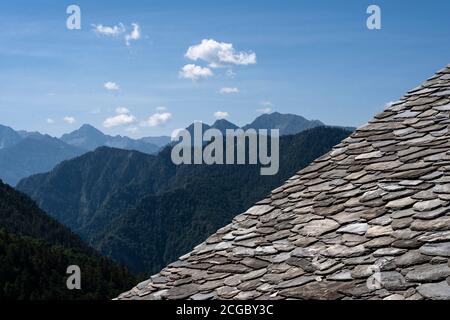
<point x="35" y="251"/>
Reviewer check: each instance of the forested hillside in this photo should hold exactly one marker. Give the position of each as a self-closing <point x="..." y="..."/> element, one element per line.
<point x="35" y="251"/>
<point x="144" y="211"/>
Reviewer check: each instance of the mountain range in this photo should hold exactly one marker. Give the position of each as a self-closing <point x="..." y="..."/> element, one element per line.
<point x="89" y="138"/>
<point x="24" y="153"/>
<point x="143" y="211"/>
<point x="33" y="154"/>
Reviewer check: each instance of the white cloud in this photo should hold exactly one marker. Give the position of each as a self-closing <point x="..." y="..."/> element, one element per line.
<point x="230" y="73"/>
<point x="119" y="30"/>
<point x="161" y="109"/>
<point x="264" y="110"/>
<point x="50" y="121"/>
<point x="227" y="90"/>
<point x="193" y="72"/>
<point x="218" y="54"/>
<point x="134" y="35"/>
<point x="123" y="117"/>
<point x="69" y="120"/>
<point x="221" y="114"/>
<point x="112" y="86"/>
<point x="119" y="120"/>
<point x="157" y="119"/>
<point x="266" y="104"/>
<point x="122" y="110"/>
<point x="132" y="130"/>
<point x="109" y="31"/>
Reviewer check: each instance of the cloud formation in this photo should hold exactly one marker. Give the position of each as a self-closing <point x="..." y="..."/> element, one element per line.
<point x="219" y="54"/>
<point x="221" y="115"/>
<point x="134" y="35"/>
<point x="69" y="120"/>
<point x="266" y="103"/>
<point x="50" y="121"/>
<point x="123" y="117"/>
<point x="267" y="107"/>
<point x="264" y="110"/>
<point x="157" y="119"/>
<point x="111" y="86"/>
<point x="161" y="109"/>
<point x="119" y="30"/>
<point x="194" y="72"/>
<point x="228" y="90"/>
<point x="122" y="110"/>
<point x="109" y="31"/>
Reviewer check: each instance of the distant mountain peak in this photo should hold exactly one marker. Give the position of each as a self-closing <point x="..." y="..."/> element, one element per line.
<point x="8" y="137"/>
<point x="287" y="123"/>
<point x="223" y="124"/>
<point x="90" y="138"/>
<point x="87" y="128"/>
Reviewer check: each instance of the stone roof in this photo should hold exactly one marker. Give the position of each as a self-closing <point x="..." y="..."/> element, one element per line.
<point x="369" y="220"/>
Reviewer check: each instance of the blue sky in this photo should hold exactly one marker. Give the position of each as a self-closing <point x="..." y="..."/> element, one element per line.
<point x="312" y="58"/>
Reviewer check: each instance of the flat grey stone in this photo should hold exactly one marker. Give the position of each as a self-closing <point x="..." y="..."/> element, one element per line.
<point x="230" y="268"/>
<point x="182" y="292"/>
<point x="341" y="276"/>
<point x="411" y="258"/>
<point x="202" y="296"/>
<point x="227" y="292"/>
<point x="435" y="236"/>
<point x="356" y="228"/>
<point x="379" y="242"/>
<point x="429" y="273"/>
<point x="379" y="231"/>
<point x="401" y="203"/>
<point x="435" y="291"/>
<point x="265" y="250"/>
<point x="371" y="155"/>
<point x="243" y="252"/>
<point x="407" y="244"/>
<point x="401" y="223"/>
<point x="428" y="205"/>
<point x="362" y="271"/>
<point x="317" y="228"/>
<point x="254" y="274"/>
<point x="436" y="249"/>
<point x="439" y="224"/>
<point x="297" y="282"/>
<point x="394" y="281"/>
<point x="340" y="251"/>
<point x="259" y="210"/>
<point x="388" y="252"/>
<point x="395" y="297"/>
<point x="442" y="188"/>
<point x="371" y="195"/>
<point x="433" y="214"/>
<point x="381" y="221"/>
